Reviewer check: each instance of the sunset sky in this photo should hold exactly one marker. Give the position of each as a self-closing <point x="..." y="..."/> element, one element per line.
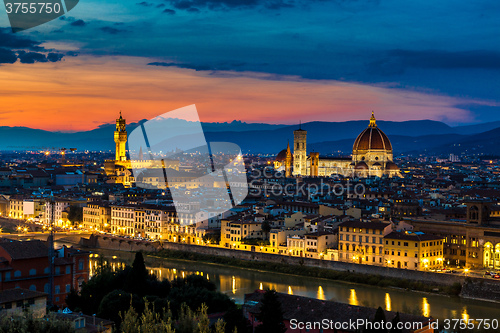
<point x="273" y="61"/>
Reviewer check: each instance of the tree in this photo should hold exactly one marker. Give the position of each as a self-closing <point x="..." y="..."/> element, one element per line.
<point x="186" y="322"/>
<point x="75" y="214"/>
<point x="136" y="281"/>
<point x="203" y="321"/>
<point x="220" y="326"/>
<point x="379" y="318"/>
<point x="26" y="323"/>
<point x="235" y="320"/>
<point x="395" y="321"/>
<point x="270" y="315"/>
<point x="266" y="228"/>
<point x="149" y="322"/>
<point x="213" y="238"/>
<point x="130" y="323"/>
<point x="117" y="302"/>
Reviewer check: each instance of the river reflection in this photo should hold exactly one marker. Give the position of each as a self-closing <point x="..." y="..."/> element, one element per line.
<point x="236" y="282"/>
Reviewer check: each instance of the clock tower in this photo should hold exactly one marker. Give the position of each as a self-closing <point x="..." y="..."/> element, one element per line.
<point x="121" y="139"/>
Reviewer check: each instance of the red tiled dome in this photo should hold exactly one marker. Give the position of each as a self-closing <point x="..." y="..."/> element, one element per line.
<point x="372" y="138"/>
<point x="281" y="156"/>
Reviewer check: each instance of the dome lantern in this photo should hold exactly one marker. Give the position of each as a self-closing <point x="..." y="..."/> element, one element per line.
<point x="373" y="120"/>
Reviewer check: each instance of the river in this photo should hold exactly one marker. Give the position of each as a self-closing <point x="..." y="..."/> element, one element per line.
<point x="236" y="282"/>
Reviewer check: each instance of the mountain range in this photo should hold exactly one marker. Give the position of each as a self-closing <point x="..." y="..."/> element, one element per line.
<point x="336" y="138"/>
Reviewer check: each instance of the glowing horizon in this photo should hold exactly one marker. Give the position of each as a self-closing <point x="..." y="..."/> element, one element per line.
<point x="82" y="93"/>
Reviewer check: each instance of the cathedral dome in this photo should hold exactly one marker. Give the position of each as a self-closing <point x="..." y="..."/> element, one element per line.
<point x="391" y="166"/>
<point x="372" y="138"/>
<point x="281" y="157"/>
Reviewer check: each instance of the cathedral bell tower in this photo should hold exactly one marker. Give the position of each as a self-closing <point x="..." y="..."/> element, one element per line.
<point x="300" y="152"/>
<point x="121" y="139"/>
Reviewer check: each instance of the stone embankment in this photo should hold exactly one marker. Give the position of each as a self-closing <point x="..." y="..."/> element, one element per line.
<point x="477" y="288"/>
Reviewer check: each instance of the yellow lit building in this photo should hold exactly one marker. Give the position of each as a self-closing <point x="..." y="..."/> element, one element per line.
<point x="122" y="220"/>
<point x="317" y="243"/>
<point x="413" y="250"/>
<point x="363" y="242"/>
<point x="296" y="245"/>
<point x="97" y="216"/>
<point x="16" y="208"/>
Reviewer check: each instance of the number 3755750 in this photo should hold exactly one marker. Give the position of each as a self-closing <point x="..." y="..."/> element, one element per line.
<point x="32" y="8"/>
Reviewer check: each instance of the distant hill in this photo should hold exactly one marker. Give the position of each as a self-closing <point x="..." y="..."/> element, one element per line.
<point x="324" y="137"/>
<point x="474" y="129"/>
<point x="484" y="143"/>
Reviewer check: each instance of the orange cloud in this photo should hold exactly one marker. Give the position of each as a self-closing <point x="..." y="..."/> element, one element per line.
<point x="83" y="92"/>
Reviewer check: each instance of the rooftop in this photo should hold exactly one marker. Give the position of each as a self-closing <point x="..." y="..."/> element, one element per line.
<point x="19" y="294"/>
<point x="25" y="249"/>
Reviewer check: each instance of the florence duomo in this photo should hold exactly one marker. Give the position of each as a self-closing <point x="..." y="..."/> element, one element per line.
<point x="372" y="155"/>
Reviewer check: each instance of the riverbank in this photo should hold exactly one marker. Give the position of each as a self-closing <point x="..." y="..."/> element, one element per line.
<point x="424" y="281"/>
<point x="316" y="272"/>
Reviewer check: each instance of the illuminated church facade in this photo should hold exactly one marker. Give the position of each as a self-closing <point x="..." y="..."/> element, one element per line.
<point x="372" y="155"/>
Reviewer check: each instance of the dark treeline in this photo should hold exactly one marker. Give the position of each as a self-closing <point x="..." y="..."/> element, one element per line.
<point x="119" y="294"/>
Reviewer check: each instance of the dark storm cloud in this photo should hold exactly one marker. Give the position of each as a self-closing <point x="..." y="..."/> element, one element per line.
<point x="169" y="11"/>
<point x="7" y="56"/>
<point x="13" y="41"/>
<point x="397" y="61"/>
<point x="31" y="57"/>
<point x="54" y="57"/>
<point x="144" y="4"/>
<point x="78" y="23"/>
<point x="28" y="51"/>
<point x="229" y="4"/>
<point x="187" y="66"/>
<point x="111" y="30"/>
<point x="219" y="66"/>
<point x="189" y="5"/>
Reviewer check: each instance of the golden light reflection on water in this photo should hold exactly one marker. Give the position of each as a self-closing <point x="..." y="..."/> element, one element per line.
<point x="426" y="308"/>
<point x="465" y="315"/>
<point x="353" y="298"/>
<point x="236" y="286"/>
<point x="321" y="293"/>
<point x="388" y="306"/>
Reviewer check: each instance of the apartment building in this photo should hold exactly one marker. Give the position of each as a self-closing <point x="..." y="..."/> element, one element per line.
<point x="97" y="216"/>
<point x="278" y="237"/>
<point x="363" y="242"/>
<point x="296" y="245"/>
<point x="123" y="220"/>
<point x="234" y="231"/>
<point x="316" y="243"/>
<point x="16" y="208"/>
<point x="413" y="250"/>
<point x="150" y="220"/>
<point x="25" y="264"/>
